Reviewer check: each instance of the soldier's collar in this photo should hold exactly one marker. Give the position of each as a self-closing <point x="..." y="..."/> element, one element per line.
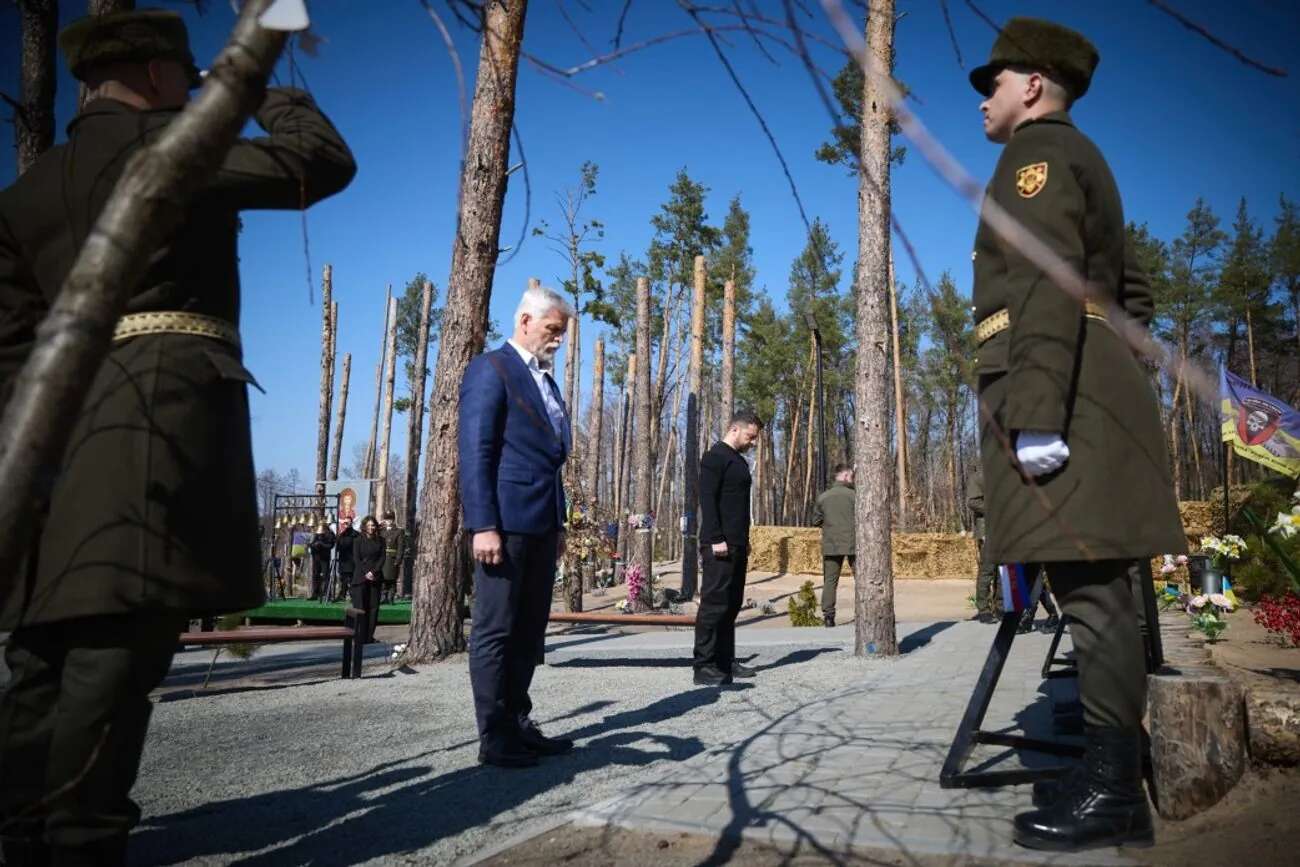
<point x="104" y="105"/>
<point x="1062" y="117"/>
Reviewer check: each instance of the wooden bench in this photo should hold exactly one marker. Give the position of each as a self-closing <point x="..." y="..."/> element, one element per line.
<point x="352" y="649"/>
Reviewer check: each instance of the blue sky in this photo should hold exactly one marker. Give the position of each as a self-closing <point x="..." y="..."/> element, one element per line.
<point x="1176" y="117"/>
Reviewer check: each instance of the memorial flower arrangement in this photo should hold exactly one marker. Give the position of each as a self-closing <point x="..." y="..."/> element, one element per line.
<point x="1208" y="614"/>
<point x="638" y="521"/>
<point x="1287" y="524"/>
<point x="638" y="588"/>
<point x="1280" y="615"/>
<point x="1223" y="550"/>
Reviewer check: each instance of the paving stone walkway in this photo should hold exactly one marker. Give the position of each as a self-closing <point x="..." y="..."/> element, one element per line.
<point x="860" y="767"/>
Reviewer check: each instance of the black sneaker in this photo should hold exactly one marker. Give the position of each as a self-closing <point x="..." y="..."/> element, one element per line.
<point x="738" y="670"/>
<point x="711" y="675"/>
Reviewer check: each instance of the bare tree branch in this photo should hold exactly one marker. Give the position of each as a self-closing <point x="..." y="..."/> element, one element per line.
<point x="952" y="35"/>
<point x="622" y="19"/>
<point x="528" y="197"/>
<point x="1214" y="40"/>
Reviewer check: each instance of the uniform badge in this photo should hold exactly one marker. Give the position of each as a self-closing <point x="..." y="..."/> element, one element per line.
<point x="1031" y="179"/>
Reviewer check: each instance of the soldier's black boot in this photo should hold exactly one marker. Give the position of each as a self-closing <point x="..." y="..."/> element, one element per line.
<point x="1106" y="807"/>
<point x="828" y="620"/>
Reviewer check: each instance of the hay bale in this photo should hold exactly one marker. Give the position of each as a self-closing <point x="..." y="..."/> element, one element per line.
<point x="916" y="555"/>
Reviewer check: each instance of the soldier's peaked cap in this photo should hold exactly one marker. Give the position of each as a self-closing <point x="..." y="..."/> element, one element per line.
<point x="1065" y="54"/>
<point x="138" y="35"/>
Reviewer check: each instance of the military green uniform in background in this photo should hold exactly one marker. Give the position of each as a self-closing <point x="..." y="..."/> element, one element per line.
<point x="152" y="518"/>
<point x="1056" y="367"/>
<point x="394" y="558"/>
<point x="988" y="591"/>
<point x="833" y="512"/>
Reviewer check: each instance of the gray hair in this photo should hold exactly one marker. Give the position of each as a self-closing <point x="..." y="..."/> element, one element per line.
<point x="537" y="301"/>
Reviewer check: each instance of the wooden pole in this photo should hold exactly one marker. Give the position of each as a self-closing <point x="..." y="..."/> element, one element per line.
<point x="596" y="423"/>
<point x="620" y="452"/>
<point x="875" y="631"/>
<point x="415" y="423"/>
<point x="728" y="353"/>
<point x="372" y="445"/>
<point x="326" y="379"/>
<point x="437" y="626"/>
<point x="900" y="408"/>
<point x="691" y="445"/>
<point x="343" y="413"/>
<point x="640" y="550"/>
<point x="381" y="504"/>
<point x="810" y="451"/>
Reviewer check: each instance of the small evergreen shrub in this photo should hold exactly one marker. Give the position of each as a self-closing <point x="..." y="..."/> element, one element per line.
<point x="804" y="610"/>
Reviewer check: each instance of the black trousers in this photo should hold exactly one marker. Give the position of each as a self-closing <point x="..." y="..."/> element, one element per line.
<point x="345" y="582"/>
<point x="72" y="728"/>
<point x="365" y="596"/>
<point x="722" y="592"/>
<point x="512" y="602"/>
<point x="320" y="571"/>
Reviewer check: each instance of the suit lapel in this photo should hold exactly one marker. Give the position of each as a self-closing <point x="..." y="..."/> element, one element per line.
<point x="526" y="388"/>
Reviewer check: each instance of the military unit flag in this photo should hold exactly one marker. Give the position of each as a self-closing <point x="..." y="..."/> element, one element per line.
<point x="1259" y="426"/>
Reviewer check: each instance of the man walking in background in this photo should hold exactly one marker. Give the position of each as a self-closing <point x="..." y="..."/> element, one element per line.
<point x="513" y="441"/>
<point x="833" y="512"/>
<point x="724" y="549"/>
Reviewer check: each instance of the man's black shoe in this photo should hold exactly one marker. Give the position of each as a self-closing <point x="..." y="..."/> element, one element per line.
<point x="711" y="675"/>
<point x="533" y="739"/>
<point x="828" y="620"/>
<point x="514" y="756"/>
<point x="738" y="670"/>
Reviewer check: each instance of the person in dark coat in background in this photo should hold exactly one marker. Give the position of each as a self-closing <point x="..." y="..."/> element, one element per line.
<point x="121" y="550"/>
<point x="322" y="545"/>
<point x="368" y="579"/>
<point x="725" y="483"/>
<point x="344" y="547"/>
<point x="394" y="555"/>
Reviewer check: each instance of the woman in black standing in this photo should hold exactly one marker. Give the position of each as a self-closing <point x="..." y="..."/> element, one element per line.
<point x="367" y="580"/>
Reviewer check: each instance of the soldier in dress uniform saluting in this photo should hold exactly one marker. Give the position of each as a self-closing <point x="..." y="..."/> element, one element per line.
<point x="1075" y="469"/>
<point x="121" y="551"/>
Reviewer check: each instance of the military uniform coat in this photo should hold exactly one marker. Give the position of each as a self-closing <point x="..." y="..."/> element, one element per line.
<point x="1056" y="370"/>
<point x="394" y="552"/>
<point x="154" y="503"/>
<point x="833" y="512"/>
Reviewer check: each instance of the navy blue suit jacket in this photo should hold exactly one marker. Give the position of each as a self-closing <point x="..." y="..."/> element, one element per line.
<point x="510" y="455"/>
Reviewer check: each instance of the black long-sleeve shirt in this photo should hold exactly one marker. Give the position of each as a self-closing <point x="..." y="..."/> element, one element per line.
<point x="724" y="497"/>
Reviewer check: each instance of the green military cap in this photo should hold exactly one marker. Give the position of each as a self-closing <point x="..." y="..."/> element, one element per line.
<point x="139" y="35"/>
<point x="1065" y="54"/>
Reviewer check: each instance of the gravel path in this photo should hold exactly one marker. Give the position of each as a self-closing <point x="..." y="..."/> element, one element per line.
<point x="384" y="768"/>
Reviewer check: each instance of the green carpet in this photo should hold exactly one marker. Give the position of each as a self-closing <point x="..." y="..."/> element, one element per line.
<point x="306" y="610"/>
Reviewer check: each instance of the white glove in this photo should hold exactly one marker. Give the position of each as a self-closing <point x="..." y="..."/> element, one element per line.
<point x="1040" y="452"/>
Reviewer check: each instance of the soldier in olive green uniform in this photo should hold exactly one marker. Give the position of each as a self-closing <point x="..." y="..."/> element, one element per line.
<point x="1075" y="471"/>
<point x="160" y="454"/>
<point x="394" y="555"/>
<point x="987" y="589"/>
<point x="833" y="512"/>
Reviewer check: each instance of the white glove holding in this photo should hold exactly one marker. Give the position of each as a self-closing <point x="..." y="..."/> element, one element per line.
<point x="1040" y="452"/>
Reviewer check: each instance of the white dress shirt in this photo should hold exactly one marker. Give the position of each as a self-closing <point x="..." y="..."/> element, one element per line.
<point x="549" y="391"/>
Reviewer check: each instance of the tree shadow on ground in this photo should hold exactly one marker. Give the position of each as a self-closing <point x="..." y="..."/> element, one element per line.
<point x="923" y="636"/>
<point x="394" y="807"/>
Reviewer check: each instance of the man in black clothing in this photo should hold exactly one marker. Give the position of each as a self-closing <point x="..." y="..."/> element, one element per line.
<point x="724" y="549"/>
<point x="321" y="545"/>
<point x="343" y="552"/>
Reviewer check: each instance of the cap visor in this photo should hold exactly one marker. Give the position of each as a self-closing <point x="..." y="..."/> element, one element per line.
<point x="981" y="78"/>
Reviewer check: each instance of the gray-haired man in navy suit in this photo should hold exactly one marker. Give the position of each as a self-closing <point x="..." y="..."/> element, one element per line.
<point x="514" y="438"/>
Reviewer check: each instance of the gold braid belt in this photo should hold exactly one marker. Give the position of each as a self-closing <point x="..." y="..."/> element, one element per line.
<point x="999" y="321"/>
<point x="175" y="322"/>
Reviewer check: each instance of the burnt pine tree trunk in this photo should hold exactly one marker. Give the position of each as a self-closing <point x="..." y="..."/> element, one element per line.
<point x="34" y="114"/>
<point x="595" y="432"/>
<point x="415" y="423"/>
<point x="390" y="380"/>
<point x="873" y="581"/>
<point x="326" y="379"/>
<point x="691" y="444"/>
<point x="440" y="567"/>
<point x="900" y="407"/>
<point x="728" y="355"/>
<point x="149" y="201"/>
<point x="372" y="452"/>
<point x="642" y="540"/>
<point x="343" y="411"/>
